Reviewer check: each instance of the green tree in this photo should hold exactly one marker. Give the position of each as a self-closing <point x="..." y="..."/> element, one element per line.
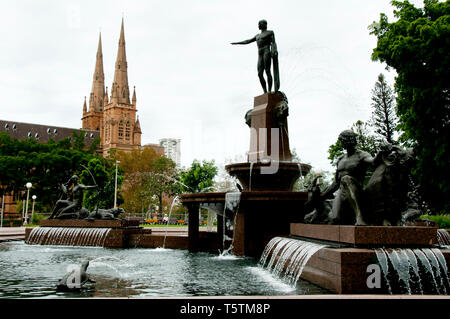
<point x="136" y="166"/>
<point x="103" y="175"/>
<point x="45" y="165"/>
<point x="383" y="120"/>
<point x="163" y="180"/>
<point x="416" y="45"/>
<point x="365" y="142"/>
<point x="200" y="176"/>
<point x="302" y="184"/>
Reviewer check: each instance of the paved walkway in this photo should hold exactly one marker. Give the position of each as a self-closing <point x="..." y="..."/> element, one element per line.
<point x="12" y="233"/>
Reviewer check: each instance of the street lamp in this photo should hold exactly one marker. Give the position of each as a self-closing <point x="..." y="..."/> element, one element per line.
<point x="32" y="207"/>
<point x="115" y="187"/>
<point x="28" y="185"/>
<point x="3" y="208"/>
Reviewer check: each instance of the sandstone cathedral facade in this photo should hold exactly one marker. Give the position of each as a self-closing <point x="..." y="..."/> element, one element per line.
<point x="113" y="116"/>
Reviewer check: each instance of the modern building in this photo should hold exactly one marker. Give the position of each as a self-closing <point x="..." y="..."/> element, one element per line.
<point x="172" y="149"/>
<point x="115" y="116"/>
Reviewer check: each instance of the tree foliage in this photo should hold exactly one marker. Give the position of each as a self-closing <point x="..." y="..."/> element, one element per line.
<point x="200" y="176"/>
<point x="148" y="179"/>
<point x="136" y="166"/>
<point x="163" y="180"/>
<point x="384" y="119"/>
<point x="416" y="45"/>
<point x="102" y="172"/>
<point x="45" y="165"/>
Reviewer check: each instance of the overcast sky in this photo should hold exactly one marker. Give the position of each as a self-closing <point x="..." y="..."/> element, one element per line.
<point x="190" y="82"/>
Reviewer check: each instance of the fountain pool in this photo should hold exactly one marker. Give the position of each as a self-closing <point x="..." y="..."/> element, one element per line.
<point x="33" y="271"/>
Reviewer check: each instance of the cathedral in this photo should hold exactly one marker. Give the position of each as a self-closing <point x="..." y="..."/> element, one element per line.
<point x="113" y="116"/>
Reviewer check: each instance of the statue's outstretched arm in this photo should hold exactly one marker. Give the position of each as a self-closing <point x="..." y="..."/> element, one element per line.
<point x="245" y="41"/>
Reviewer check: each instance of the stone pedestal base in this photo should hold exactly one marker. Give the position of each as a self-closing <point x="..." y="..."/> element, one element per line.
<point x="344" y="270"/>
<point x="398" y="236"/>
<point x="118" y="236"/>
<point x="269" y="132"/>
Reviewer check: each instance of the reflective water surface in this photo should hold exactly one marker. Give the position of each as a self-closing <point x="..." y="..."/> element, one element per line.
<point x="34" y="270"/>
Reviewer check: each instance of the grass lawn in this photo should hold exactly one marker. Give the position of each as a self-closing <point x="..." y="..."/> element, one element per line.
<point x="159" y="225"/>
<point x="442" y="220"/>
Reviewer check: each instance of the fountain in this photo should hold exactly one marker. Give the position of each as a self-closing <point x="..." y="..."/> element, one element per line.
<point x="443" y="237"/>
<point x="73" y="225"/>
<point x="267" y="203"/>
<point x="338" y="247"/>
<point x="350" y="236"/>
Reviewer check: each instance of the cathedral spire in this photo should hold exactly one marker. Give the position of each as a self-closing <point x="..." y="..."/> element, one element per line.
<point x="98" y="84"/>
<point x="106" y="101"/>
<point x="84" y="106"/>
<point x="120" y="90"/>
<point x="133" y="100"/>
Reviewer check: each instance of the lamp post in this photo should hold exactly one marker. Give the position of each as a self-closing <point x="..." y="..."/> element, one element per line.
<point x="3" y="208"/>
<point x="115" y="187"/>
<point x="28" y="185"/>
<point x="32" y="207"/>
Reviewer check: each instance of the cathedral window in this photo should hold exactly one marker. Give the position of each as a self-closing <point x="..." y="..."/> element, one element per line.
<point x="128" y="131"/>
<point x="121" y="130"/>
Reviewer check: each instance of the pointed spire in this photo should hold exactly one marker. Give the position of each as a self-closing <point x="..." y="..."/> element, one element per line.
<point x="84" y="106"/>
<point x="120" y="90"/>
<point x="98" y="84"/>
<point x="137" y="126"/>
<point x="133" y="100"/>
<point x="106" y="101"/>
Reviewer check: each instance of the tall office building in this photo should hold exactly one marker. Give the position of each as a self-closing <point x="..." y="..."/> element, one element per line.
<point x="172" y="149"/>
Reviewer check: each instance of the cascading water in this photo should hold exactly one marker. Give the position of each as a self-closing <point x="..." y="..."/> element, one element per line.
<point x="68" y="236"/>
<point x="414" y="271"/>
<point x="168" y="221"/>
<point x="232" y="201"/>
<point x="443" y="238"/>
<point x="250" y="177"/>
<point x="289" y="256"/>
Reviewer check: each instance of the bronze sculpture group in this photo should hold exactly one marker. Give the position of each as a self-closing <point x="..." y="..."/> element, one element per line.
<point x="72" y="206"/>
<point x="383" y="200"/>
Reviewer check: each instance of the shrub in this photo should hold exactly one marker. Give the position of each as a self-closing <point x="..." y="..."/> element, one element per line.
<point x="36" y="218"/>
<point x="442" y="220"/>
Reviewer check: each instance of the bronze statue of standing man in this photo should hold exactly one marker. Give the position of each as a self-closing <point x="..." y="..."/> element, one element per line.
<point x="267" y="50"/>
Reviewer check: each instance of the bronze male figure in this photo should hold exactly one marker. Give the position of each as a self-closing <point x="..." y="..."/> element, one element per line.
<point x="267" y="50"/>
